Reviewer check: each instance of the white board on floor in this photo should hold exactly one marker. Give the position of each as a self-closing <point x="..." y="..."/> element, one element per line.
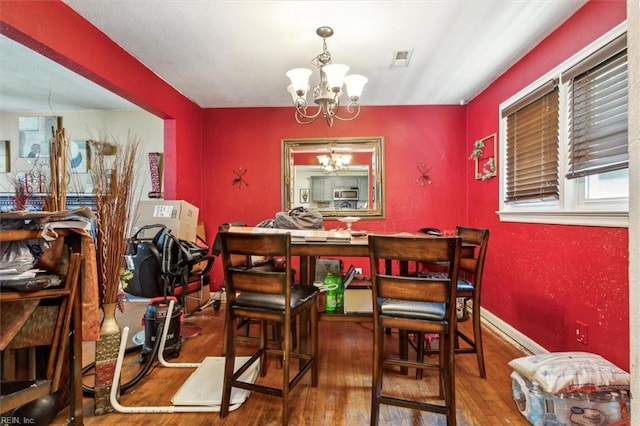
<point x="204" y="386"/>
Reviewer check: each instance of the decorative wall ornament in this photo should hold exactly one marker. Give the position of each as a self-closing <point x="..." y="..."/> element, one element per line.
<point x="155" y="168"/>
<point x="239" y="179"/>
<point x="484" y="155"/>
<point x="424" y="176"/>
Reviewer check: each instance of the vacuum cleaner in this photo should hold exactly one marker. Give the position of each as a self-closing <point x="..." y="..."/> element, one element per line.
<point x="155" y="315"/>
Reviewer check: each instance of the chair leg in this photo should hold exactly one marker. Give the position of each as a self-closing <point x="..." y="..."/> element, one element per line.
<point x="450" y="388"/>
<point x="228" y="319"/>
<point x="404" y="349"/>
<point x="443" y="347"/>
<point x="477" y="338"/>
<point x="376" y="376"/>
<point x="263" y="346"/>
<point x="419" y="352"/>
<point x="286" y="363"/>
<point x="315" y="368"/>
<point x="230" y="355"/>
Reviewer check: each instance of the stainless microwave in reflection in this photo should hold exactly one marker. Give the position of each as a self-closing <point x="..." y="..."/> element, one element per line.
<point x="340" y="194"/>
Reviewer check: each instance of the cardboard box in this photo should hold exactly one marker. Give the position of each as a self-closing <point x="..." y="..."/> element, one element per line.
<point x="179" y="216"/>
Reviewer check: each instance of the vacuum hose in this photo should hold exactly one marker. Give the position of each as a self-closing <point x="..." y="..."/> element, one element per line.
<point x="90" y="392"/>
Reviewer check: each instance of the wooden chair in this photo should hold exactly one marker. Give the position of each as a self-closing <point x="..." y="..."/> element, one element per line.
<point x="415" y="303"/>
<point x="270" y="265"/>
<point x="268" y="297"/>
<point x="469" y="287"/>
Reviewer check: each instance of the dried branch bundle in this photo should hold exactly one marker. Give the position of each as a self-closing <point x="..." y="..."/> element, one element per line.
<point x="114" y="185"/>
<point x="57" y="198"/>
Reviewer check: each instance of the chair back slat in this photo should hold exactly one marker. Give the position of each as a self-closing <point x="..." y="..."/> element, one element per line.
<point x="414" y="288"/>
<point x="244" y="243"/>
<point x="258" y="281"/>
<point x="406" y="248"/>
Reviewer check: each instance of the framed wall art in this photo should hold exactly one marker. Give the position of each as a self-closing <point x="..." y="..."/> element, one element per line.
<point x="35" y="134"/>
<point x="79" y="156"/>
<point x="304" y="195"/>
<point x="484" y="155"/>
<point x="5" y="156"/>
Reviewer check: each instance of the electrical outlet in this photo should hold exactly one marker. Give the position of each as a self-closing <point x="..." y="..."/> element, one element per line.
<point x="359" y="271"/>
<point x="582" y="332"/>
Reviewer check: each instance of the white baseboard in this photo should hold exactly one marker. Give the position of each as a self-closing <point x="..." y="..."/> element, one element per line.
<point x="511" y="334"/>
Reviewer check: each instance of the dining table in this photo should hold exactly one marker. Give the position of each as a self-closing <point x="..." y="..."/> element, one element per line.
<point x="308" y="245"/>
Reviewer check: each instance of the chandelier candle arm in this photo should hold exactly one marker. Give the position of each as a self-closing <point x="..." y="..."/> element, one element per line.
<point x="327" y="92"/>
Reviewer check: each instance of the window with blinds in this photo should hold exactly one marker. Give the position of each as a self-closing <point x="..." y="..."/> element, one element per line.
<point x="598" y="99"/>
<point x="532" y="128"/>
<point x="564" y="149"/>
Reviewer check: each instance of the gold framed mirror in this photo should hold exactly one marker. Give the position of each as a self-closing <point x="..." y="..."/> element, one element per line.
<point x="339" y="177"/>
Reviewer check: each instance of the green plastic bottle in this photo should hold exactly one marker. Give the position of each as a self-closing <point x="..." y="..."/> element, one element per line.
<point x="333" y="298"/>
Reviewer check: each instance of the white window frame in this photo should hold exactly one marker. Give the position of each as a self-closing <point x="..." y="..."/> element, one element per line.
<point x="571" y="208"/>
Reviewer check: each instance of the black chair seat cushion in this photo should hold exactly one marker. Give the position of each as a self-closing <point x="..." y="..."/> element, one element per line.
<point x="299" y="295"/>
<point x="412" y="309"/>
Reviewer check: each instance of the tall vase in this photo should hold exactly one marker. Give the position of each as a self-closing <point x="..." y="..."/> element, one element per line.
<point x="106" y="355"/>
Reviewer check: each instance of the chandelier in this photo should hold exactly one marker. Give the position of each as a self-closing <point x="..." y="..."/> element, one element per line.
<point x="327" y="92"/>
<point x="334" y="163"/>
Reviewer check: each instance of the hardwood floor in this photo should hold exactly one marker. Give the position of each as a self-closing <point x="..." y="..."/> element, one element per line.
<point x="343" y="395"/>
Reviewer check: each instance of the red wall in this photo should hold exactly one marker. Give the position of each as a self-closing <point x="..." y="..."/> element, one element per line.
<point x="251" y="138"/>
<point x="541" y="279"/>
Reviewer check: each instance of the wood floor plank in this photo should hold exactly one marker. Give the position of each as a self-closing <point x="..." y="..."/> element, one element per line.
<point x="343" y="396"/>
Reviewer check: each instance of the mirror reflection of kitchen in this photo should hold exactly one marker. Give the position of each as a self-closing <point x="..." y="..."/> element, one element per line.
<point x="335" y="177"/>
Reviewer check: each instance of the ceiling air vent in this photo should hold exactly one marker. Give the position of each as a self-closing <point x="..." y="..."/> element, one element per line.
<point x="401" y="58"/>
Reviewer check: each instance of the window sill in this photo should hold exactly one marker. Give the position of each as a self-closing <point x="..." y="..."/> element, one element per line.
<point x="605" y="219"/>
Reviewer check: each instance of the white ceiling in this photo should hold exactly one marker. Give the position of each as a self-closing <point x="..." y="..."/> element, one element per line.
<point x="235" y="53"/>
